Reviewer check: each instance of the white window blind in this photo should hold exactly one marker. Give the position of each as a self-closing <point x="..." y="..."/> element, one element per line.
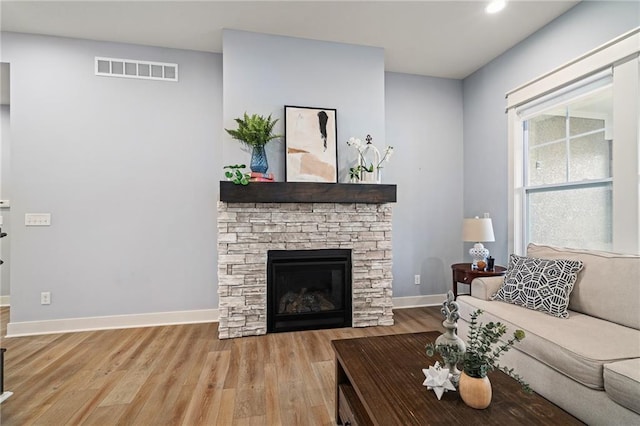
<point x="562" y="95"/>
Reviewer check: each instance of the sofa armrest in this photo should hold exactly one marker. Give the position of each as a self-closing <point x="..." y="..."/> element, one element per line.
<point x="485" y="287"/>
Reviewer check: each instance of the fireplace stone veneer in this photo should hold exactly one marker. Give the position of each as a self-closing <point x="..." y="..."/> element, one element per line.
<point x="247" y="231"/>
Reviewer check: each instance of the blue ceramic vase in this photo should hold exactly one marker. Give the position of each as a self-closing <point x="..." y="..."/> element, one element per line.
<point x="259" y="163"/>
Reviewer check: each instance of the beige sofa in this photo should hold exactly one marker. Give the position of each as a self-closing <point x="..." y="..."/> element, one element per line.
<point x="589" y="363"/>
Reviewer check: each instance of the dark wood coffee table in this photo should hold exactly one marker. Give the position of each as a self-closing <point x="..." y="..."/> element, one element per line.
<point x="379" y="382"/>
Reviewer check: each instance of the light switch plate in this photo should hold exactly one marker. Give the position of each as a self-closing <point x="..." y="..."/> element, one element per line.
<point x="37" y="219"/>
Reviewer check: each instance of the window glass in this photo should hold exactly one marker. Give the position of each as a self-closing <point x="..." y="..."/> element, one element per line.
<point x="547" y="128"/>
<point x="590" y="157"/>
<point x="580" y="125"/>
<point x="548" y="164"/>
<point x="578" y="218"/>
<point x="568" y="171"/>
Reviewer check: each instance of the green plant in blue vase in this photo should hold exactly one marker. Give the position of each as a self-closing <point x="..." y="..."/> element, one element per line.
<point x="255" y="131"/>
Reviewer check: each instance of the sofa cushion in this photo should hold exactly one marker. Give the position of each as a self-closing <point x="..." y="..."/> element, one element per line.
<point x="622" y="383"/>
<point x="607" y="287"/>
<point x="540" y="284"/>
<point x="578" y="346"/>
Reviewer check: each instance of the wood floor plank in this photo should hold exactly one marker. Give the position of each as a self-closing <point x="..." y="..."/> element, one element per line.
<point x="311" y="382"/>
<point x="104" y="416"/>
<point x="251" y="421"/>
<point x="180" y="375"/>
<point x="83" y="413"/>
<point x="320" y="416"/>
<point x="151" y="392"/>
<point x="250" y="402"/>
<point x="287" y="368"/>
<point x="227" y="407"/>
<point x="231" y="381"/>
<point x="251" y="369"/>
<point x="61" y="412"/>
<point x="205" y="403"/>
<point x="325" y="373"/>
<point x="42" y="357"/>
<point x="47" y="382"/>
<point x="166" y="381"/>
<point x="293" y="409"/>
<point x="141" y="409"/>
<point x="272" y="399"/>
<point x="205" y="333"/>
<point x="126" y="389"/>
<point x="4" y="320"/>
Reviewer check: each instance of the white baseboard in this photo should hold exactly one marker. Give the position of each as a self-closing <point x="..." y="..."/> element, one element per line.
<point x="5" y="300"/>
<point x="72" y="325"/>
<point x="418" y="301"/>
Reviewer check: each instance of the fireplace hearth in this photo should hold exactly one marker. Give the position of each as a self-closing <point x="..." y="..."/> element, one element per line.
<point x="308" y="289"/>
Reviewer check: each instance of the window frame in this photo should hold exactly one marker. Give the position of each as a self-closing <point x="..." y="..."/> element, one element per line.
<point x="621" y="56"/>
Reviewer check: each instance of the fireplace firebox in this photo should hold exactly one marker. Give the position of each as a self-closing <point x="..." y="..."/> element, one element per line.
<point x="308" y="289"/>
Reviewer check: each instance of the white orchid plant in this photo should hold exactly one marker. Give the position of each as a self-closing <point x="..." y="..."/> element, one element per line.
<point x="354" y="172"/>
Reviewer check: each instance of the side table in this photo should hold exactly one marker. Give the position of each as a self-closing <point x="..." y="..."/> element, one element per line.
<point x="462" y="273"/>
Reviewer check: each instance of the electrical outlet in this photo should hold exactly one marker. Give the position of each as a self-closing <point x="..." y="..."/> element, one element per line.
<point x="45" y="298"/>
<point x="416" y="280"/>
<point x="37" y="219"/>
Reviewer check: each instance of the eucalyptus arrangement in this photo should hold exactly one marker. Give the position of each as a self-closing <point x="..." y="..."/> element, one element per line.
<point x="483" y="348"/>
<point x="235" y="174"/>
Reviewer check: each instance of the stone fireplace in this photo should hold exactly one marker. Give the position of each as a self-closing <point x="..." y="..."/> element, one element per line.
<point x="247" y="231"/>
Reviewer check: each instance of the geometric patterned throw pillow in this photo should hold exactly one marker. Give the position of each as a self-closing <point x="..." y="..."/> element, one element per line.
<point x="540" y="284"/>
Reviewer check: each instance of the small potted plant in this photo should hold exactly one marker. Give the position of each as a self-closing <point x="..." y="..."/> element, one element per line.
<point x="483" y="348"/>
<point x="235" y="173"/>
<point x="255" y="131"/>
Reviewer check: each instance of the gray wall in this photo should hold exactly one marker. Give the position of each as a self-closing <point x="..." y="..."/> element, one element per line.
<point x="582" y="28"/>
<point x="423" y="116"/>
<point x="128" y="170"/>
<point x="262" y="73"/>
<point x="5" y="152"/>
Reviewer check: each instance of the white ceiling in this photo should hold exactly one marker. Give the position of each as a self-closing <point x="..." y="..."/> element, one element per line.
<point x="437" y="38"/>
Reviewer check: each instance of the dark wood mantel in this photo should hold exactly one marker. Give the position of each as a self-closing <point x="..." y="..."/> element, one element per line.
<point x="307" y="192"/>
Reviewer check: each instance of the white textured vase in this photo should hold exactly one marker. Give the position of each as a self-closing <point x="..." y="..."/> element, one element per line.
<point x="368" y="177"/>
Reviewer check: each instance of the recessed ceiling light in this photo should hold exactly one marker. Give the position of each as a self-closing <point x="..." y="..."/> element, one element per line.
<point x="495" y="6"/>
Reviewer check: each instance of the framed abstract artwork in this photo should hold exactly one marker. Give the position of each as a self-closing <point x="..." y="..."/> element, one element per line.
<point x="310" y="144"/>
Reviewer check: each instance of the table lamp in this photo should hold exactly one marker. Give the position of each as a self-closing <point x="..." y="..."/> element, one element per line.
<point x="478" y="230"/>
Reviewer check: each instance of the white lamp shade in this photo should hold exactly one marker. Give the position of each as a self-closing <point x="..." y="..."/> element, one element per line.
<point x="477" y="230"/>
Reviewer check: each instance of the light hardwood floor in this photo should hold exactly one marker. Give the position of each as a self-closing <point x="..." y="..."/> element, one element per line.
<point x="180" y="375"/>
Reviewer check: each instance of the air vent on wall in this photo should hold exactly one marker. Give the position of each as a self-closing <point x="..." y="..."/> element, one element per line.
<point x="128" y="68"/>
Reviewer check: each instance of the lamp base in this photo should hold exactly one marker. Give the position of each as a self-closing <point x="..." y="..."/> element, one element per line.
<point x="478" y="253"/>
